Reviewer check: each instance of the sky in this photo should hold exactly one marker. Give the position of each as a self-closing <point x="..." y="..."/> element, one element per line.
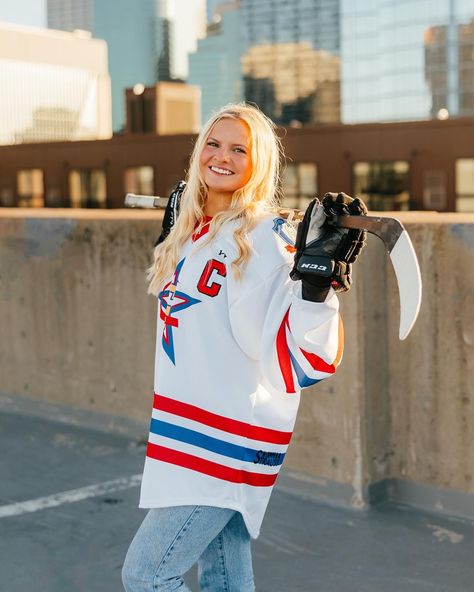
<point x="24" y="12"/>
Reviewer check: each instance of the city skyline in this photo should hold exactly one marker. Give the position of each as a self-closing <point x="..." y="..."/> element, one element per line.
<point x="391" y="68"/>
<point x="188" y="23"/>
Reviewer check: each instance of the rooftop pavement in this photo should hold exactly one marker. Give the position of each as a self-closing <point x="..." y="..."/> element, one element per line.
<point x="68" y="510"/>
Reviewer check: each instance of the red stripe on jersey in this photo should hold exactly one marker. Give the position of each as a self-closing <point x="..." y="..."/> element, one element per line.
<point x="318" y="363"/>
<point x="201" y="465"/>
<point x="204" y="229"/>
<point x="220" y="422"/>
<point x="283" y="355"/>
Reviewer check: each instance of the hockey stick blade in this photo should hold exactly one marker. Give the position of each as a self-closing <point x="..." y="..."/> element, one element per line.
<point x="404" y="260"/>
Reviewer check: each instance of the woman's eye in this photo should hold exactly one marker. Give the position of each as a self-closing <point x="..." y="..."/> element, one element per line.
<point x="211" y="143"/>
<point x="241" y="150"/>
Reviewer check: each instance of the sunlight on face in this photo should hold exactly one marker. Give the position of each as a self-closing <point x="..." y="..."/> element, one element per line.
<point x="225" y="161"/>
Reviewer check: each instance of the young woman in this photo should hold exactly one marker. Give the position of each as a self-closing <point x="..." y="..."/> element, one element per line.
<point x="237" y="340"/>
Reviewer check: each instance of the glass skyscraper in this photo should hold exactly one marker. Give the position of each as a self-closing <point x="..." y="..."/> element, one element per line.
<point x="134" y="34"/>
<point x="281" y="54"/>
<point x="291" y="66"/>
<point x="215" y="66"/>
<point x="68" y="15"/>
<point x="407" y="60"/>
<point x="292" y="21"/>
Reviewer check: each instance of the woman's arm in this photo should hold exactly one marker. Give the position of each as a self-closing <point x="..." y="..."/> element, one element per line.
<point x="296" y="342"/>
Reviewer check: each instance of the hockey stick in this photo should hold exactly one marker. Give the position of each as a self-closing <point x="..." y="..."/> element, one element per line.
<point x="390" y="230"/>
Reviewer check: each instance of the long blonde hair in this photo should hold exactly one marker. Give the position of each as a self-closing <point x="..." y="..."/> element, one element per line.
<point x="258" y="195"/>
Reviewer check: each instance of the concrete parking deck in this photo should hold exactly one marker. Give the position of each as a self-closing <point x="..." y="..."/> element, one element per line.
<point x="81" y="486"/>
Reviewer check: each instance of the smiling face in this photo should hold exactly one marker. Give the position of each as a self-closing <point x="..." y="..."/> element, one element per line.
<point x="225" y="162"/>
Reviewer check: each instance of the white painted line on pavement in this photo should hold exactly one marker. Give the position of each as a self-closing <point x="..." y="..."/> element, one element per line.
<point x="67" y="497"/>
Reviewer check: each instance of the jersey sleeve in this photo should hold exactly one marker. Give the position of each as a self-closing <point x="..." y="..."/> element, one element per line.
<point x="297" y="343"/>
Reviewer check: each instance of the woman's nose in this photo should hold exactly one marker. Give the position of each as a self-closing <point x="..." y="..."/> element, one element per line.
<point x="223" y="154"/>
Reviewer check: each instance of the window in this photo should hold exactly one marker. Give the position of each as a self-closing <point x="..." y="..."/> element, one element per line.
<point x="139" y="180"/>
<point x="54" y="195"/>
<point x="434" y="190"/>
<point x="465" y="185"/>
<point x="382" y="185"/>
<point x="7" y="194"/>
<point x="299" y="184"/>
<point x="30" y="188"/>
<point x="87" y="188"/>
<point x="142" y="115"/>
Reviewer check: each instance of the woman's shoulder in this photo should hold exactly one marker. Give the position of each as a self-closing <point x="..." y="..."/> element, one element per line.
<point x="274" y="238"/>
<point x="273" y="229"/>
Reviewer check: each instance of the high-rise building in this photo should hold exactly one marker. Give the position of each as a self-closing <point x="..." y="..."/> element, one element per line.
<point x="68" y="15"/>
<point x="211" y="7"/>
<point x="148" y="40"/>
<point x="406" y="60"/>
<point x="292" y="82"/>
<point x="449" y="70"/>
<point x="189" y="25"/>
<point x="215" y="66"/>
<point x="281" y="54"/>
<point x="134" y="35"/>
<point x="58" y="86"/>
<point x="292" y="21"/>
<point x="164" y="33"/>
<point x="291" y="63"/>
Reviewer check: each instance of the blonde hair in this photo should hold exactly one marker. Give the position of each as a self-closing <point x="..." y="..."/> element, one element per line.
<point x="258" y="195"/>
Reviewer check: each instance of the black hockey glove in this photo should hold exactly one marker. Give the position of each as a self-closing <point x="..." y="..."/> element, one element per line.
<point x="171" y="212"/>
<point x="325" y="253"/>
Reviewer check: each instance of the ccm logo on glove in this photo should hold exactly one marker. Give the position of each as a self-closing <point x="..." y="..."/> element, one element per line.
<point x="325" y="253"/>
<point x="314" y="266"/>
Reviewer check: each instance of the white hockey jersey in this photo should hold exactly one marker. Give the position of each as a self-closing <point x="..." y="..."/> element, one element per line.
<point x="231" y="359"/>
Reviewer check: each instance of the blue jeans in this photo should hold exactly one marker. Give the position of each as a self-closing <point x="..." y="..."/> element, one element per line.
<point x="171" y="540"/>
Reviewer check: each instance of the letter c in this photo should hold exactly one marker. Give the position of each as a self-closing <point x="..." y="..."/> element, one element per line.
<point x="203" y="285"/>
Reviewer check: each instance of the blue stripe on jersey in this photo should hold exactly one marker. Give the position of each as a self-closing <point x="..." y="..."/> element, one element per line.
<point x="262" y="457"/>
<point x="303" y="379"/>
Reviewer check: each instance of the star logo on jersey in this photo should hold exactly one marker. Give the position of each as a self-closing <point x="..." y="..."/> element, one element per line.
<point x="173" y="301"/>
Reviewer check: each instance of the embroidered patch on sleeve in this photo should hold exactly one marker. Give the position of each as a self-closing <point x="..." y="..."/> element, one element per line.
<point x="286" y="232"/>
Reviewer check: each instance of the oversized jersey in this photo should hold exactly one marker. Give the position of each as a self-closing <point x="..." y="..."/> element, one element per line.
<point x="231" y="358"/>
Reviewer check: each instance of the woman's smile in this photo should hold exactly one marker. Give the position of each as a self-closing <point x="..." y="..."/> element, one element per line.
<point x="220" y="171"/>
<point x="225" y="161"/>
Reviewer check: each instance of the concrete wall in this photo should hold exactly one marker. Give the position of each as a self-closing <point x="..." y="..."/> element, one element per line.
<point x="397" y="420"/>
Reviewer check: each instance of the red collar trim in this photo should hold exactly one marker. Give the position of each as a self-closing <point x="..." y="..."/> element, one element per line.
<point x="204" y="230"/>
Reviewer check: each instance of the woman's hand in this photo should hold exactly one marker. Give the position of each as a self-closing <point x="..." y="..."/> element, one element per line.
<point x="325" y="253"/>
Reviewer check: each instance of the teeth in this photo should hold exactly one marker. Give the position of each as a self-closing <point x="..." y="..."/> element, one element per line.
<point x="221" y="171"/>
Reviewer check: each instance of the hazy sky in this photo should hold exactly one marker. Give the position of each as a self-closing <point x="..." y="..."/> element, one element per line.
<point x="24" y="12"/>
